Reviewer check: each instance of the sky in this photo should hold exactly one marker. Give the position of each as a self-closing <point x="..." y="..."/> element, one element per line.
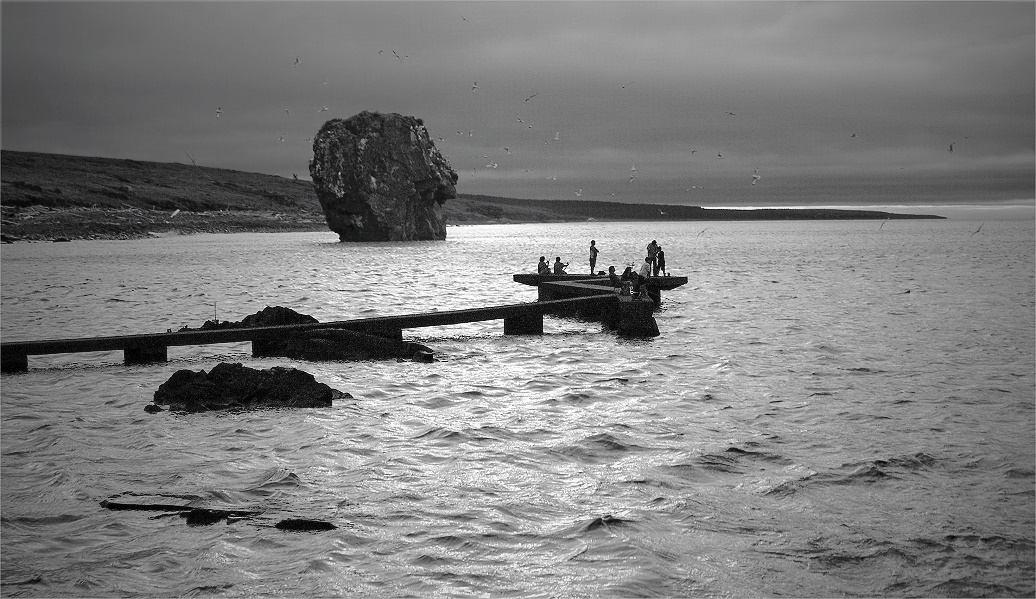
<point x="697" y="103"/>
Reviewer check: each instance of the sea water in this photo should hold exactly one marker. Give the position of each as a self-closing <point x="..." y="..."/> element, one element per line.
<point x="832" y="408"/>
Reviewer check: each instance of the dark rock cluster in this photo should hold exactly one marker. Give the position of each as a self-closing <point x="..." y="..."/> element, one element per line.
<point x="379" y="177"/>
<point x="237" y="387"/>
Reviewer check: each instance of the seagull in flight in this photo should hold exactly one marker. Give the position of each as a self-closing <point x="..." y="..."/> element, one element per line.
<point x="532" y="96"/>
<point x="323" y="109"/>
<point x="625" y="84"/>
<point x="508" y="150"/>
<point x="731" y="114"/>
<point x="557" y="136"/>
<point x="977" y="230"/>
<point x="519" y="118"/>
<point x="951" y="145"/>
<point x="579" y="193"/>
<point x="297" y="61"/>
<point x="281" y="138"/>
<point x="400" y="57"/>
<point x="883" y="223"/>
<point x="755" y="177"/>
<point x="660" y="212"/>
<point x="719" y="155"/>
<point x="474" y="86"/>
<point x="852" y="135"/>
<point x="287" y="112"/>
<point x="693" y="152"/>
<point x="219" y="111"/>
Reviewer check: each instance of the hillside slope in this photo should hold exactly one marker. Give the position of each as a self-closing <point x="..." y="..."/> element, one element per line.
<point x="54" y="196"/>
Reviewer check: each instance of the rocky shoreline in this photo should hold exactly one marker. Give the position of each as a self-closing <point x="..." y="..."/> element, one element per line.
<point x="38" y="223"/>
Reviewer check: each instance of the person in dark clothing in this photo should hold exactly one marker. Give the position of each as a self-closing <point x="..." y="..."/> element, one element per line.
<point x="659" y="266"/>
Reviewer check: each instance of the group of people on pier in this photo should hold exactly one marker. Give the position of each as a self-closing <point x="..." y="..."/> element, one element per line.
<point x="654" y="263"/>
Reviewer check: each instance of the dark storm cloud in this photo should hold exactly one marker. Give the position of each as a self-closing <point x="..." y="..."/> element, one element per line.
<point x="619" y="83"/>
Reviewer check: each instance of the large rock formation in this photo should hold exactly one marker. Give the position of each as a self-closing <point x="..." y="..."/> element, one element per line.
<point x="379" y="177"/>
<point x="237" y="387"/>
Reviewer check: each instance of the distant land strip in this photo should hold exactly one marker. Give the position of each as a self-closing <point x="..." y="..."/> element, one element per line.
<point x="59" y="197"/>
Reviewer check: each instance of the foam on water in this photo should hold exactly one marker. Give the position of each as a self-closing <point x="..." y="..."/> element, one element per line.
<point x="830" y="409"/>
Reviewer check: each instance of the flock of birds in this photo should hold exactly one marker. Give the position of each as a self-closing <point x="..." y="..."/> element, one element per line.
<point x="492" y="163"/>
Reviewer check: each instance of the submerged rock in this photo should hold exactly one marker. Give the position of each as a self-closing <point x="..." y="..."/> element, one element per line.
<point x="237" y="387"/>
<point x="341" y="344"/>
<point x="379" y="177"/>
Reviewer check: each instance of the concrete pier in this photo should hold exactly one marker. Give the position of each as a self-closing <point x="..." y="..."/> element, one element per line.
<point x="586" y="298"/>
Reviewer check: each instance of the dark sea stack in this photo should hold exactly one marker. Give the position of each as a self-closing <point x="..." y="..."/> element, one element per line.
<point x="379" y="177"/>
<point x="237" y="387"/>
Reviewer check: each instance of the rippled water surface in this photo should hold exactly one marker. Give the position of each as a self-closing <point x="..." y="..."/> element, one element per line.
<point x="831" y="409"/>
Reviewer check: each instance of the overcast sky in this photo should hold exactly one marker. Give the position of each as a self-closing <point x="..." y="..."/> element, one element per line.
<point x="835" y="103"/>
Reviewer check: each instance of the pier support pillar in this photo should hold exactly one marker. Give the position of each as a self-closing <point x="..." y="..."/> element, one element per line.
<point x="524" y="324"/>
<point x="12" y="361"/>
<point x="635" y="319"/>
<point x="145" y="354"/>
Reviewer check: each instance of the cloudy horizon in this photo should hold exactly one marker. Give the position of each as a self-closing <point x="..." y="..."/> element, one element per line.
<point x="697" y="103"/>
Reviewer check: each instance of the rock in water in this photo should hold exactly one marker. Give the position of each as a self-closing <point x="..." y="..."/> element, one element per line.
<point x="237" y="387"/>
<point x="379" y="177"/>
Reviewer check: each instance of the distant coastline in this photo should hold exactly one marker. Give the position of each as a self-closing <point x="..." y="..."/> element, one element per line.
<point x="59" y="197"/>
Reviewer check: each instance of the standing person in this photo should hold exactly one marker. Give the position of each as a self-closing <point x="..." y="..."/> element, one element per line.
<point x="543" y="268"/>
<point x="559" y="268"/>
<point x="660" y="262"/>
<point x="593" y="256"/>
<point x="652" y="249"/>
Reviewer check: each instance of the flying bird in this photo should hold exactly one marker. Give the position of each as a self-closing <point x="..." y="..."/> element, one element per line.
<point x="852" y="135"/>
<point x="508" y="150"/>
<point x="977" y="230"/>
<point x="400" y="57"/>
<point x="951" y="145"/>
<point x="519" y="118"/>
<point x="381" y="51"/>
<point x="625" y="84"/>
<point x="532" y="96"/>
<point x="287" y="112"/>
<point x="883" y="223"/>
<point x="702" y="231"/>
<point x="693" y="152"/>
<point x="219" y="111"/>
<point x="731" y="114"/>
<point x="463" y="19"/>
<point x="281" y="138"/>
<point x="557" y="136"/>
<point x="297" y="61"/>
<point x="294" y="176"/>
<point x="755" y="177"/>
<point x="323" y="109"/>
<point x="719" y="155"/>
<point x="660" y="212"/>
<point x="633" y="168"/>
<point x="579" y="192"/>
<point x="474" y="86"/>
<point x="441" y="139"/>
<point x="471" y="132"/>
